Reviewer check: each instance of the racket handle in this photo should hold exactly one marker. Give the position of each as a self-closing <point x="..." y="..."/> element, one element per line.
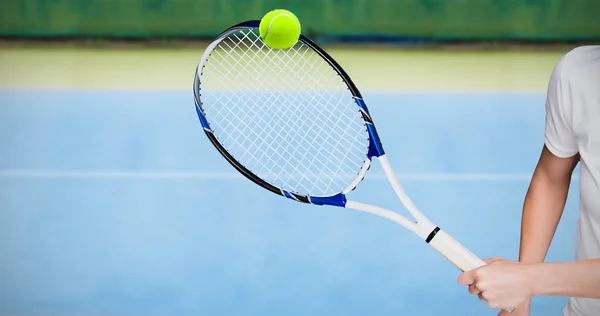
<point x="456" y="253"/>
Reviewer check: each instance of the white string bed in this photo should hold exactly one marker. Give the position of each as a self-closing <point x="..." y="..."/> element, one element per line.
<point x="285" y="115"/>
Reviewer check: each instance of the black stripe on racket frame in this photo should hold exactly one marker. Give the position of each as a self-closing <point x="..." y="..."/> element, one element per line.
<point x="375" y="146"/>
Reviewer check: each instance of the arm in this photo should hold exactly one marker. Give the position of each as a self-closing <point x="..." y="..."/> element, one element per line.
<point x="547" y="194"/>
<point x="544" y="204"/>
<point x="542" y="210"/>
<point x="505" y="284"/>
<point x="576" y="279"/>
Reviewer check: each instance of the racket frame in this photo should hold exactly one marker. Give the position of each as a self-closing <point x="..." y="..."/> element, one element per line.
<point x="438" y="239"/>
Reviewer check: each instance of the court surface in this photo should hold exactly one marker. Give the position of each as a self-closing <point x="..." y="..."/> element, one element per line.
<point x="113" y="202"/>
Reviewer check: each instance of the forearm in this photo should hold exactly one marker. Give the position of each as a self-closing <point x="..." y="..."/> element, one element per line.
<point x="542" y="210"/>
<point x="575" y="279"/>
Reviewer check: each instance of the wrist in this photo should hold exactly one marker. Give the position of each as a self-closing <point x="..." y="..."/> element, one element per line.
<point x="537" y="277"/>
<point x="526" y="306"/>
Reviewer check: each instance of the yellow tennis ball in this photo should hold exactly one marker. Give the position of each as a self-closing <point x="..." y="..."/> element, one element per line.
<point x="280" y="29"/>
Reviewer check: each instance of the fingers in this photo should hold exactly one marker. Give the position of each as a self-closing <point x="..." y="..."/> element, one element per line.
<point x="467" y="278"/>
<point x="476" y="288"/>
<point x="473" y="290"/>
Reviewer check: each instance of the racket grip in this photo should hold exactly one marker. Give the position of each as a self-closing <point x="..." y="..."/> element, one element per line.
<point x="456" y="253"/>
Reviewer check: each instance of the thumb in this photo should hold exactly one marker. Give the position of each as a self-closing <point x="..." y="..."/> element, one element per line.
<point x="494" y="259"/>
<point x="467" y="278"/>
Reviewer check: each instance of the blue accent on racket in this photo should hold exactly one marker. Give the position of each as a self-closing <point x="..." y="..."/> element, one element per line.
<point x="336" y="200"/>
<point x="375" y="147"/>
<point x="203" y="121"/>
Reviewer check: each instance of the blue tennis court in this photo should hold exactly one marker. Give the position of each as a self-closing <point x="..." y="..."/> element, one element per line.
<point x="115" y="203"/>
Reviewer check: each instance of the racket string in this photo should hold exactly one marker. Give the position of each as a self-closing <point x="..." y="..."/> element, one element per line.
<point x="286" y="115"/>
<point x="278" y="135"/>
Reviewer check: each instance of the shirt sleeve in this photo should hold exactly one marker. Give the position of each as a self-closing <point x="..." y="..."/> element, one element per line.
<point x="559" y="136"/>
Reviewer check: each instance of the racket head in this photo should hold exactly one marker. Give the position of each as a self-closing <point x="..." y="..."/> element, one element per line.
<point x="292" y="121"/>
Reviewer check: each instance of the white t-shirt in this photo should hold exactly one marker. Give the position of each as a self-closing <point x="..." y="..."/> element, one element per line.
<point x="573" y="126"/>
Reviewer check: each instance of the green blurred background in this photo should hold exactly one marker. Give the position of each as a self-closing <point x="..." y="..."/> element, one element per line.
<point x="452" y="19"/>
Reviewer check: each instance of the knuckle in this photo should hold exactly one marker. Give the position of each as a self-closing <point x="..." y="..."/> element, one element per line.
<point x="479" y="273"/>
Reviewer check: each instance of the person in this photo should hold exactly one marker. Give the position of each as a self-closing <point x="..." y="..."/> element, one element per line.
<point x="572" y="136"/>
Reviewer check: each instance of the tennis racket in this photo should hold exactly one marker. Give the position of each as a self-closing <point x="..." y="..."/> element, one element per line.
<point x="293" y="122"/>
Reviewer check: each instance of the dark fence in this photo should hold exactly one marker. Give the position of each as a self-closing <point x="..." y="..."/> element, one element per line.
<point x="443" y="19"/>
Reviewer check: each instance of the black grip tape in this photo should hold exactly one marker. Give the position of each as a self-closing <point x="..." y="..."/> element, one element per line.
<point x="432" y="234"/>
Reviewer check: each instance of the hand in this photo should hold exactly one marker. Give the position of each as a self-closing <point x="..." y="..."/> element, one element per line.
<point x="502" y="283"/>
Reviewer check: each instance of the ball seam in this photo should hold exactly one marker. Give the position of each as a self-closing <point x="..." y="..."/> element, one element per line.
<point x="275" y="17"/>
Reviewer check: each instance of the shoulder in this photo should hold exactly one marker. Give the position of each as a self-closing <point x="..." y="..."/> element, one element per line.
<point x="579" y="61"/>
<point x="585" y="52"/>
<point x="578" y="69"/>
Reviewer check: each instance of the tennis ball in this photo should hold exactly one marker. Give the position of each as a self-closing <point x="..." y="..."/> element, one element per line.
<point x="279" y="29"/>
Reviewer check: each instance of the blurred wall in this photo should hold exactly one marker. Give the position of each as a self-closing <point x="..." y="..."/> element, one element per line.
<point x="449" y="19"/>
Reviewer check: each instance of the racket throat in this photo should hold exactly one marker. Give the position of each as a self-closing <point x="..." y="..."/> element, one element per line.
<point x="424" y="223"/>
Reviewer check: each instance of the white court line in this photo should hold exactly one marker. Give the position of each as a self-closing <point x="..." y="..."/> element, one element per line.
<point x="200" y="175"/>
